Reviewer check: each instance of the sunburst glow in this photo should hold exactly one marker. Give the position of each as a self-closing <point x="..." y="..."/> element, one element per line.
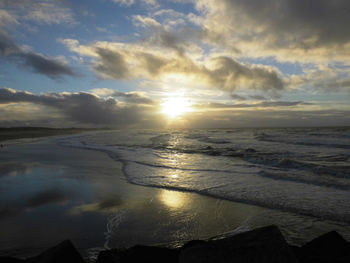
<point x="174" y="107"/>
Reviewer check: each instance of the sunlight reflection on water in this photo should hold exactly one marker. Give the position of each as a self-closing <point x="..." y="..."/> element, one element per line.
<point x="173" y="199"/>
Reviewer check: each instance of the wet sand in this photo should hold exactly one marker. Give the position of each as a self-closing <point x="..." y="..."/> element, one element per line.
<point x="49" y="193"/>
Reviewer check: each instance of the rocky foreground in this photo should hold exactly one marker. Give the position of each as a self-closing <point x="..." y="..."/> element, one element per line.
<point x="260" y="245"/>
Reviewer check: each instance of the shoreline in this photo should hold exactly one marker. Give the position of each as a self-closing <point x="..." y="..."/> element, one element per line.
<point x="14" y="133"/>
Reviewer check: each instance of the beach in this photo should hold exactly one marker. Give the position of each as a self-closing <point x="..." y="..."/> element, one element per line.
<point x="82" y="195"/>
<point x="50" y="192"/>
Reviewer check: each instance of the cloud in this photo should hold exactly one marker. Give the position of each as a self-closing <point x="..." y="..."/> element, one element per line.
<point x="7" y="18"/>
<point x="42" y="12"/>
<point x="265" y="104"/>
<point x="50" y="67"/>
<point x="53" y="68"/>
<point x="335" y="83"/>
<point x="7" y="46"/>
<point x="89" y="110"/>
<point x="84" y="107"/>
<point x="130" y="97"/>
<point x="254" y="97"/>
<point x="124" y="2"/>
<point x="163" y="34"/>
<point x="145" y="21"/>
<point x="111" y="64"/>
<point x="257" y="97"/>
<point x="271" y="118"/>
<point x="323" y="79"/>
<point x="237" y="97"/>
<point x="131" y="61"/>
<point x="232" y="75"/>
<point x="152" y="3"/>
<point x="288" y="29"/>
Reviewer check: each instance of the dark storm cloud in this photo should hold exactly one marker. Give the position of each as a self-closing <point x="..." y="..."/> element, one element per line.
<point x="80" y="107"/>
<point x="50" y="67"/>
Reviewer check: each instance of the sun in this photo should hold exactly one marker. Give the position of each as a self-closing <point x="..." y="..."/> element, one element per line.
<point x="174" y="107"/>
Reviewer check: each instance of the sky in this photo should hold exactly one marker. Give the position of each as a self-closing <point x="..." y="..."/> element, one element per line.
<point x="174" y="63"/>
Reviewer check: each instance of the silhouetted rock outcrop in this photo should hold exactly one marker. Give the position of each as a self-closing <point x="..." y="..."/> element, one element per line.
<point x="11" y="260"/>
<point x="63" y="252"/>
<point x="330" y="247"/>
<point x="145" y="254"/>
<point x="260" y="245"/>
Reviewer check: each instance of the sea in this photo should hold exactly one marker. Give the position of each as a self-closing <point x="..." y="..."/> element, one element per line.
<point x="300" y="170"/>
<point x="119" y="188"/>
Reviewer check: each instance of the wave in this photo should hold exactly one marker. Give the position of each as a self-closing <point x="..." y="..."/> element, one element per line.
<point x="302" y="178"/>
<point x="341" y="171"/>
<point x="334" y="165"/>
<point x="276" y="201"/>
<point x="344" y="144"/>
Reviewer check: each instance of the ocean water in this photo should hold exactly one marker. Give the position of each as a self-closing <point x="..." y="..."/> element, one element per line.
<point x="304" y="171"/>
<point x="119" y="188"/>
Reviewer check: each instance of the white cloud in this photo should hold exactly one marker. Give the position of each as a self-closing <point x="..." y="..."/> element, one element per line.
<point x="124" y="2"/>
<point x="7" y="18"/>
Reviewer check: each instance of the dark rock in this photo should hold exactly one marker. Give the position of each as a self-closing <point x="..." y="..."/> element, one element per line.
<point x="63" y="252"/>
<point x="295" y="249"/>
<point x="10" y="260"/>
<point x="108" y="256"/>
<point x="143" y="254"/>
<point x="260" y="245"/>
<point x="330" y="247"/>
<point x="192" y="243"/>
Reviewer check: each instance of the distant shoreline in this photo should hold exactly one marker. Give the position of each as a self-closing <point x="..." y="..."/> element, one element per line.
<point x="11" y="133"/>
<point x="36" y="132"/>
